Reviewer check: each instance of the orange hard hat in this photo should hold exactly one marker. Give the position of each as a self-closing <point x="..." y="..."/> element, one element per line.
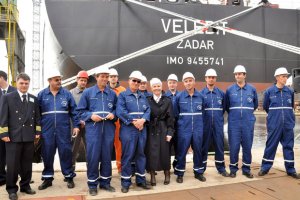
<point x="82" y="74"/>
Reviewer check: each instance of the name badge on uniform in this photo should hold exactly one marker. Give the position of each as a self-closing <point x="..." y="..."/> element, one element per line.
<point x="31" y="99"/>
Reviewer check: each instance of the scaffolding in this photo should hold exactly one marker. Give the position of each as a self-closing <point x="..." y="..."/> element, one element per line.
<point x="14" y="38"/>
<point x="9" y="18"/>
<point x="36" y="53"/>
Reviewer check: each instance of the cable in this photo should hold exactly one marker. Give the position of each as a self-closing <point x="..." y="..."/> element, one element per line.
<point x="273" y="43"/>
<point x="157" y="45"/>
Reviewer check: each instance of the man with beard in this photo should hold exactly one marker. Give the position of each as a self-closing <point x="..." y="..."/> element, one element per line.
<point x="214" y="108"/>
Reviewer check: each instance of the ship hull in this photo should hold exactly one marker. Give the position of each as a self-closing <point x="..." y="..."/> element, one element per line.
<point x="96" y="32"/>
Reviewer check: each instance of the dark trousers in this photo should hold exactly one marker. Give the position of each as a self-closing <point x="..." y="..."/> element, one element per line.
<point x="2" y="161"/>
<point x="19" y="157"/>
<point x="76" y="146"/>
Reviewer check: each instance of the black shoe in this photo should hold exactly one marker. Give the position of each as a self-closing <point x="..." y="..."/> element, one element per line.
<point x="200" y="177"/>
<point x="28" y="191"/>
<point x="248" y="175"/>
<point x="2" y="183"/>
<point x="179" y="179"/>
<point x="294" y="175"/>
<point x="232" y="174"/>
<point x="13" y="196"/>
<point x="262" y="173"/>
<point x="124" y="189"/>
<point x="144" y="186"/>
<point x="45" y="184"/>
<point x="225" y="174"/>
<point x="70" y="183"/>
<point x="108" y="188"/>
<point x="93" y="191"/>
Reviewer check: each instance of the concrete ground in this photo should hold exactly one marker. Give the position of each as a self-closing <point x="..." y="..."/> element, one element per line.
<point x="275" y="185"/>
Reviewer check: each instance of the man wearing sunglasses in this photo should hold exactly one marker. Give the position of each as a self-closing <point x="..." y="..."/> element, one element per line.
<point x="279" y="104"/>
<point x="57" y="107"/>
<point x="133" y="111"/>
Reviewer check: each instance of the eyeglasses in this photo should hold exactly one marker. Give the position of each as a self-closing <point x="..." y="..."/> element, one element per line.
<point x="136" y="81"/>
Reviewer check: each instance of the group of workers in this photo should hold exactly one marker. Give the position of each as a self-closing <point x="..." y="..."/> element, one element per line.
<point x="142" y="126"/>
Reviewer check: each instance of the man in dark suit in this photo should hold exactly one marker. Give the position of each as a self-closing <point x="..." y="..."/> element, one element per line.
<point x="5" y="88"/>
<point x="19" y="126"/>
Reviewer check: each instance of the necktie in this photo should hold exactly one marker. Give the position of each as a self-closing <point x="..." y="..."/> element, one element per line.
<point x="3" y="91"/>
<point x="24" y="98"/>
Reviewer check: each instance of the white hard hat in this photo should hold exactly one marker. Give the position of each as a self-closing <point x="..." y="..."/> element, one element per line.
<point x="53" y="73"/>
<point x="136" y="74"/>
<point x="103" y="70"/>
<point x="211" y="72"/>
<point x="143" y="79"/>
<point x="280" y="71"/>
<point x="155" y="81"/>
<point x="172" y="77"/>
<point x="187" y="75"/>
<point x="113" y="72"/>
<point x="239" y="69"/>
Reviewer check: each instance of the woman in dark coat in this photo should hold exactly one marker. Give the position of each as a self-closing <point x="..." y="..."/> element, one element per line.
<point x="160" y="132"/>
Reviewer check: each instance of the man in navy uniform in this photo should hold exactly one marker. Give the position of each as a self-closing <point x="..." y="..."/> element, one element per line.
<point x="5" y="88"/>
<point x="19" y="126"/>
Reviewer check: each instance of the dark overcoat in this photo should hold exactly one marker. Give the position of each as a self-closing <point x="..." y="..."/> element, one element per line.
<point x="161" y="124"/>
